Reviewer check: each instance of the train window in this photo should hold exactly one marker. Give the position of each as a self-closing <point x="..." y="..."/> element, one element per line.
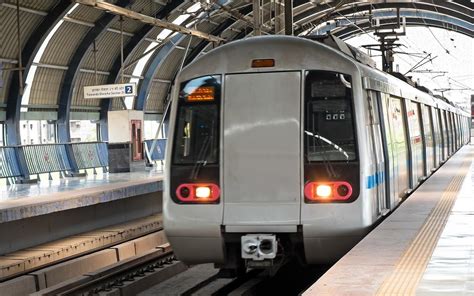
<point x="329" y="126"/>
<point x="197" y="124"/>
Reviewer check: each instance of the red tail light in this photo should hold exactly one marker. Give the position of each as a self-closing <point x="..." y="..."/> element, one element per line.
<point x="328" y="191"/>
<point x="198" y="193"/>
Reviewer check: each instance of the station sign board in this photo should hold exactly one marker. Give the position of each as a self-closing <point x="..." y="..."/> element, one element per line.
<point x="110" y="91"/>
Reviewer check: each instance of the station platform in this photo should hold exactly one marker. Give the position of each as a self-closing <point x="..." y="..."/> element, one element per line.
<point x="34" y="214"/>
<point x="426" y="247"/>
<point x="22" y="201"/>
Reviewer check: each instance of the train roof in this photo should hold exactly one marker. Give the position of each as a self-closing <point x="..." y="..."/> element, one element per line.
<point x="292" y="53"/>
<point x="403" y="90"/>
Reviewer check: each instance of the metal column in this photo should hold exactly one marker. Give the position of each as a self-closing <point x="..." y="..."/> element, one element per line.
<point x="256" y="18"/>
<point x="288" y="17"/>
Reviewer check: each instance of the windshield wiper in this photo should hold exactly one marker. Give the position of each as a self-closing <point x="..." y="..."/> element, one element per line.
<point x="327" y="163"/>
<point x="201" y="162"/>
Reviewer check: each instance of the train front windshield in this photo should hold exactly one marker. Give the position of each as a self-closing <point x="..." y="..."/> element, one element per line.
<point x="197" y="125"/>
<point x="329" y="126"/>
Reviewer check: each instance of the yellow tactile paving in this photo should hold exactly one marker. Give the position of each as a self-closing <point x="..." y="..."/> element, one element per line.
<point x="403" y="245"/>
<point x="408" y="272"/>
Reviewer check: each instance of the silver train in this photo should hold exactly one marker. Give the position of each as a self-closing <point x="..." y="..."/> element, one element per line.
<point x="286" y="147"/>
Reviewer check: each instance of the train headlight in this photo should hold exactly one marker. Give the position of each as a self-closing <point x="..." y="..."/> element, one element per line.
<point x="324" y="190"/>
<point x="198" y="193"/>
<point x="203" y="192"/>
<point x="328" y="191"/>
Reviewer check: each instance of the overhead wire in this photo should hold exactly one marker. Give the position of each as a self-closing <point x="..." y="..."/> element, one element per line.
<point x="429" y="29"/>
<point x="368" y="34"/>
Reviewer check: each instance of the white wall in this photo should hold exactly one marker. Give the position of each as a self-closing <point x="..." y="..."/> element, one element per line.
<point x="119" y="125"/>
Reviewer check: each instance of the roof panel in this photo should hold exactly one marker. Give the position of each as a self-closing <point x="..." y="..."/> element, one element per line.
<point x="158" y="91"/>
<point x="116" y="104"/>
<point x="129" y="25"/>
<point x="64" y="43"/>
<point x="45" y="86"/>
<point x="108" y="49"/>
<point x="84" y="79"/>
<point x="5" y="76"/>
<point x="86" y="14"/>
<point x="139" y="50"/>
<point x="170" y="65"/>
<point x="146" y="7"/>
<point x="8" y="36"/>
<point x="43" y="5"/>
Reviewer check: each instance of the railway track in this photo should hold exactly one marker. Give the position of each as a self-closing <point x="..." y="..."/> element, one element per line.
<point x="226" y="288"/>
<point x="291" y="279"/>
<point x="128" y="277"/>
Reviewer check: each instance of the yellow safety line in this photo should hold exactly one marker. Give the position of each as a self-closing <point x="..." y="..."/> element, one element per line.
<point x="410" y="269"/>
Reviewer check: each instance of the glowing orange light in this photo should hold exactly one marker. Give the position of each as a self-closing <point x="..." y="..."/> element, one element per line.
<point x="323" y="190"/>
<point x="202" y="93"/>
<point x="263" y="63"/>
<point x="203" y="192"/>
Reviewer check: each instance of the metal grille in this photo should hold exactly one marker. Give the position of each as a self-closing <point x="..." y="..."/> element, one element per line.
<point x="8" y="163"/>
<point x="90" y="155"/>
<point x="46" y="158"/>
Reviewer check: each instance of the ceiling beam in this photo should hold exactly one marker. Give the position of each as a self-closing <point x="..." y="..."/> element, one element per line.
<point x="117" y="10"/>
<point x="25" y="9"/>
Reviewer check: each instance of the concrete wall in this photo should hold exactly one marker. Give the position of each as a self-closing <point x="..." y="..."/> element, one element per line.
<point x="21" y="234"/>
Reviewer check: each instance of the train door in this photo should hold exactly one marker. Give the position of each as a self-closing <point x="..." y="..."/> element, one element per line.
<point x="436" y="136"/>
<point x="459" y="128"/>
<point x="455" y="131"/>
<point x="430" y="149"/>
<point x="262" y="151"/>
<point x="136" y="139"/>
<point x="378" y="151"/>
<point x="416" y="142"/>
<point x="444" y="134"/>
<point x="447" y="126"/>
<point x="451" y="133"/>
<point x="456" y="128"/>
<point x="400" y="146"/>
<point x="389" y="128"/>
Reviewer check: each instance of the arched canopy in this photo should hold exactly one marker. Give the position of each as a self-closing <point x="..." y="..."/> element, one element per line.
<point x="68" y="62"/>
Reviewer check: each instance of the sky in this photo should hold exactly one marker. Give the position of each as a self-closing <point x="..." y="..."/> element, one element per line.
<point x="454" y="54"/>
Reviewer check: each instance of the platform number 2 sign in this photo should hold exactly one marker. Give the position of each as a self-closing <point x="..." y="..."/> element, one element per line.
<point x="129" y="89"/>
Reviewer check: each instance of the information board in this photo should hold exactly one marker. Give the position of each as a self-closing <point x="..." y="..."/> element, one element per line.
<point x="110" y="91"/>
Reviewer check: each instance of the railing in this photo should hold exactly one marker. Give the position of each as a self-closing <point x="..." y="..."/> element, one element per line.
<point x="8" y="164"/>
<point x="90" y="155"/>
<point x="46" y="158"/>
<point x="159" y="152"/>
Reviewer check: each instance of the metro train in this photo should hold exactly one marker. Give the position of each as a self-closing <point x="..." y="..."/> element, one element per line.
<point x="285" y="147"/>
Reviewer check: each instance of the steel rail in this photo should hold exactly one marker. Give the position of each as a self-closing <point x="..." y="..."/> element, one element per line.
<point x="116" y="275"/>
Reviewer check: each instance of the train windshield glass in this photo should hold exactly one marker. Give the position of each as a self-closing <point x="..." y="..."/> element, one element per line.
<point x="329" y="127"/>
<point x="197" y="124"/>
